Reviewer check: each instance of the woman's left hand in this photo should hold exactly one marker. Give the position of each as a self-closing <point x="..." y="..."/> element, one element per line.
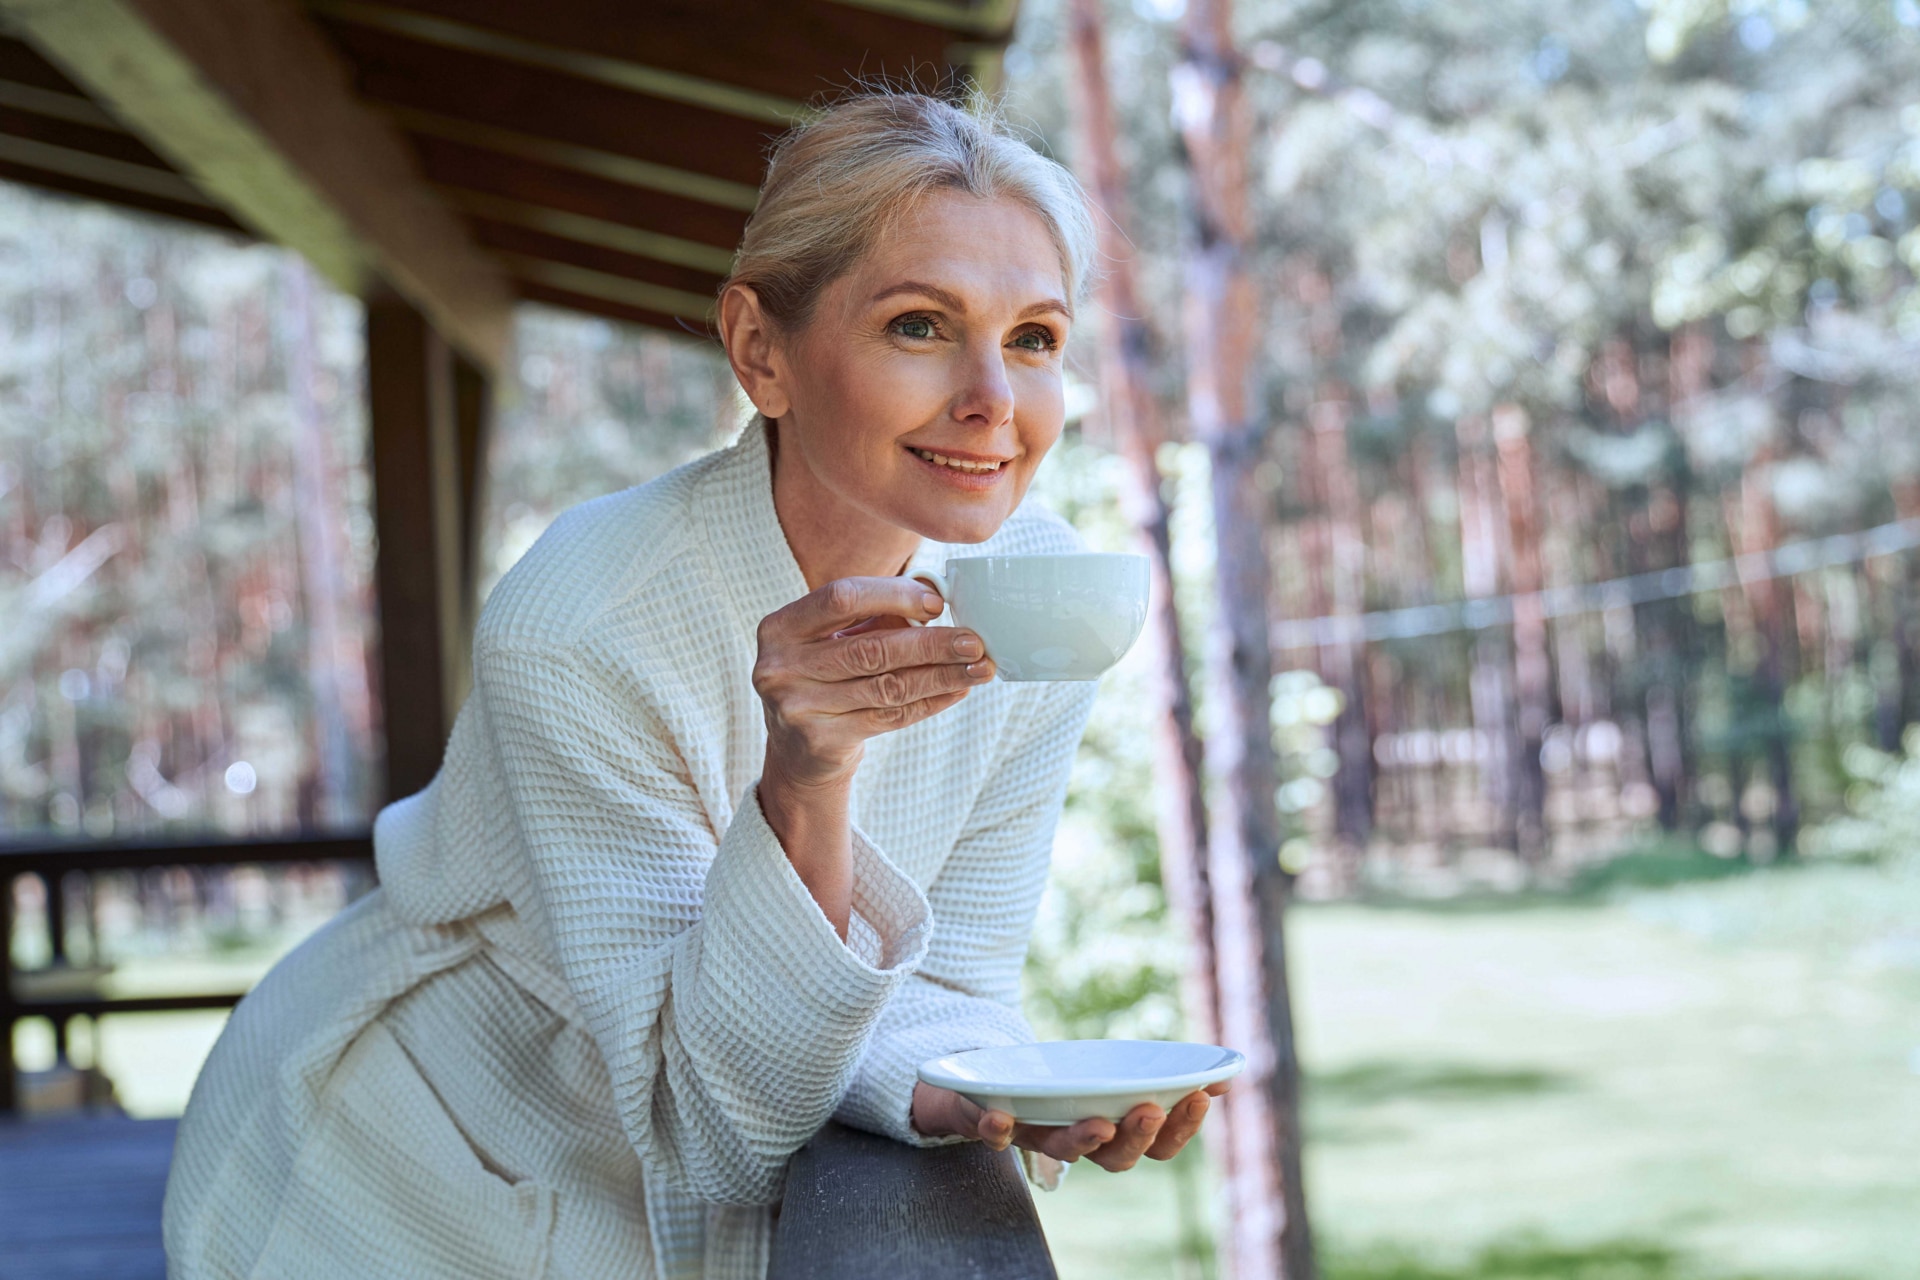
<point x="1144" y="1131"/>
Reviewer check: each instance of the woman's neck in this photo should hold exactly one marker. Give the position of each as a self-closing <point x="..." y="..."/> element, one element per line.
<point x="831" y="538"/>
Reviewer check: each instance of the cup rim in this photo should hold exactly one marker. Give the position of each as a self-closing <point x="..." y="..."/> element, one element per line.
<point x="1050" y="555"/>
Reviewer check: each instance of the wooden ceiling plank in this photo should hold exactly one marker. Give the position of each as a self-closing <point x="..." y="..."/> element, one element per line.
<point x="248" y="100"/>
<point x="600" y="284"/>
<point x="21" y="63"/>
<point x="477" y="169"/>
<point x="102" y="171"/>
<point x="509" y="238"/>
<point x="659" y="82"/>
<point x="395" y="71"/>
<point x="979" y="18"/>
<point x="114" y="144"/>
<point x="202" y="213"/>
<point x="55" y="105"/>
<point x="547" y="295"/>
<point x="738" y="196"/>
<point x="798" y="50"/>
<point x="633" y="241"/>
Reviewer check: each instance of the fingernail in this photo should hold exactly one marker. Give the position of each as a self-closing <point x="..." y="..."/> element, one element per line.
<point x="967" y="646"/>
<point x="980" y="671"/>
<point x="931" y="602"/>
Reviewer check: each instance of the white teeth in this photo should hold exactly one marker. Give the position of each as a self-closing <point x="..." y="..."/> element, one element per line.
<point x="971" y="468"/>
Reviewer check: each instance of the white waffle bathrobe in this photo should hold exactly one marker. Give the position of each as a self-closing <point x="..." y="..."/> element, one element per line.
<point x="591" y="1010"/>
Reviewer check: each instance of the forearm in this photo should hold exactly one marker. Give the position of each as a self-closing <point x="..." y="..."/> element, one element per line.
<point x="814" y="824"/>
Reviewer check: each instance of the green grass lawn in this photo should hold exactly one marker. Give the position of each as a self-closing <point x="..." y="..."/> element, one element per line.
<point x="1706" y="1080"/>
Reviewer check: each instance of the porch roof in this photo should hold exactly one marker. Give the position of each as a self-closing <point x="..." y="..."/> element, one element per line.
<point x="596" y="155"/>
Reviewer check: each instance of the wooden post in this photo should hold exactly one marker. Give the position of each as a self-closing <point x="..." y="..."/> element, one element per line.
<point x="1270" y="1239"/>
<point x="428" y="412"/>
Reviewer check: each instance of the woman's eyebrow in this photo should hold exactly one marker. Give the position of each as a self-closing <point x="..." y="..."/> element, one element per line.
<point x="951" y="301"/>
<point x="1045" y="306"/>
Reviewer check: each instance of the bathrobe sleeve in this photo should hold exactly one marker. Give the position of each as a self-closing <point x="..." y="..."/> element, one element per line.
<point x="966" y="992"/>
<point x="730" y="1014"/>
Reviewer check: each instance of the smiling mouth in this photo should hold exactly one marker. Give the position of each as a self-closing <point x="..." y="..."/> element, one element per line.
<point x="962" y="465"/>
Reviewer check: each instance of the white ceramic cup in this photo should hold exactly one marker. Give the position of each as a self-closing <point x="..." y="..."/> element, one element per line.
<point x="1066" y="617"/>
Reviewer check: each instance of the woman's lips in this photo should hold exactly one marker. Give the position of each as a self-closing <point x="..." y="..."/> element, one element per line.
<point x="973" y="473"/>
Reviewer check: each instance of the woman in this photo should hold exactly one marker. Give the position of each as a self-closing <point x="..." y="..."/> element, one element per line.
<point x="722" y="847"/>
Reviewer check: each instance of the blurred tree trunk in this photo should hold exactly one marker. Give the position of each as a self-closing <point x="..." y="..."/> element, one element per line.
<point x="1490" y="685"/>
<point x="1127" y="356"/>
<point x="1899" y="681"/>
<point x="1757" y="531"/>
<point x="1532" y="668"/>
<point x="1270" y="1238"/>
<point x="1342" y="662"/>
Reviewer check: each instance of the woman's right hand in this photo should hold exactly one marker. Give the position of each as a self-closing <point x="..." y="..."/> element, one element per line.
<point x="838" y="666"/>
<point x="843" y="664"/>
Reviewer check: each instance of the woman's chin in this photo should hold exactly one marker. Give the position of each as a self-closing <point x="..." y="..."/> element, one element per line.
<point x="942" y="523"/>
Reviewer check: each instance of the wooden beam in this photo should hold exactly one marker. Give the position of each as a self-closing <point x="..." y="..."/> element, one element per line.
<point x="419" y="518"/>
<point x="606" y="308"/>
<point x="521" y="241"/>
<point x="695" y="307"/>
<point x="709" y="262"/>
<point x="532" y="184"/>
<point x="612" y="166"/>
<point x="797" y="50"/>
<point x="984" y="19"/>
<point x="57" y="857"/>
<point x="586" y="64"/>
<point x="395" y="71"/>
<point x="67" y="135"/>
<point x="248" y="100"/>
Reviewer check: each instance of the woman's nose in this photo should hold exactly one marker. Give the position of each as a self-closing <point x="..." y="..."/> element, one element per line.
<point x="985" y="396"/>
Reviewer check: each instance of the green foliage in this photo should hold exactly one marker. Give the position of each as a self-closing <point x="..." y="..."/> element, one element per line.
<point x="1883" y="802"/>
<point x="1658" y="864"/>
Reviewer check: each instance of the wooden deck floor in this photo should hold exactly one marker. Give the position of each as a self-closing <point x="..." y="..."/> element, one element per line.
<point x="80" y="1198"/>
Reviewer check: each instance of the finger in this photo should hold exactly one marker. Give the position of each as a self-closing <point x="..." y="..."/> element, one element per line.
<point x="871" y="653"/>
<point x="885" y="622"/>
<point x="1136" y="1132"/>
<point x="1182" y="1123"/>
<point x="1218" y="1087"/>
<point x="893" y="688"/>
<point x="874" y="721"/>
<point x="1067" y="1143"/>
<point x="845" y="601"/>
<point x="995" y="1129"/>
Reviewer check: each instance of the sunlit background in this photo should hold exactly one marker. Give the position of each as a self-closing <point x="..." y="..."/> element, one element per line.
<point x="1607" y="951"/>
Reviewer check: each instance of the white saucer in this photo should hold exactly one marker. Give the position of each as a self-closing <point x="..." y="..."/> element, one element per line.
<point x="1068" y="1080"/>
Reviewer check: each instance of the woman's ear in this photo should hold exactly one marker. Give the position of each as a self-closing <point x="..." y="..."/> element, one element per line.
<point x="753" y="349"/>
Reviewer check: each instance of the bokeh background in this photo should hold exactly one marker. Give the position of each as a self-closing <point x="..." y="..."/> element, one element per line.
<point x="1606" y="935"/>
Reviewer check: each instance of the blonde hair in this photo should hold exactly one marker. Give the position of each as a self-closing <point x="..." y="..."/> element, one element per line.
<point x="835" y="184"/>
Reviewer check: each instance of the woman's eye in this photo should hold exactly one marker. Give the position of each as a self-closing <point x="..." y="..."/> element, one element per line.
<point x="914" y="327"/>
<point x="1042" y="340"/>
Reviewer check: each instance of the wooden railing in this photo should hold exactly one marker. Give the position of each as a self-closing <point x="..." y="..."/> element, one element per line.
<point x="42" y="993"/>
<point x="858" y="1205"/>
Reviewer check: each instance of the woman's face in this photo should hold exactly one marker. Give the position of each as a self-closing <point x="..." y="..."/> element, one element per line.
<point x="926" y="388"/>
